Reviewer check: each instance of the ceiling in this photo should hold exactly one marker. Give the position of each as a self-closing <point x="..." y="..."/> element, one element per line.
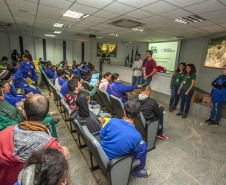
<point x="36" y="18"/>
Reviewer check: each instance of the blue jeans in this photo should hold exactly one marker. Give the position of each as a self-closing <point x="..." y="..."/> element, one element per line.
<point x="142" y="81"/>
<point x="216" y="107"/>
<point x="185" y="99"/>
<point x="160" y="132"/>
<point x="174" y="95"/>
<point x="135" y="80"/>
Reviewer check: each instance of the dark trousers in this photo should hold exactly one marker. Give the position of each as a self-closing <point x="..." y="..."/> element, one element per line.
<point x="216" y="107"/>
<point x="160" y="131"/>
<point x="174" y="96"/>
<point x="135" y="80"/>
<point x="185" y="99"/>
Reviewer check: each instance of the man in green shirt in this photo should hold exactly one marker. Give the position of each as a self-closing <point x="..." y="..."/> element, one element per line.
<point x="3" y="63"/>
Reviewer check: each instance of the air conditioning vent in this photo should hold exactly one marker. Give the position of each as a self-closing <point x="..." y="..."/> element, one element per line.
<point x="126" y="23"/>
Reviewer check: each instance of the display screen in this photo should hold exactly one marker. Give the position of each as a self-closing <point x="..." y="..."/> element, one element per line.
<point x="165" y="54"/>
<point x="108" y="50"/>
<point x="216" y="53"/>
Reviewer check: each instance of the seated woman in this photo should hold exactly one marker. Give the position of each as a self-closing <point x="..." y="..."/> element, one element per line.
<point x="41" y="168"/>
<point x="84" y="115"/>
<point x="105" y="81"/>
<point x="119" y="90"/>
<point x="60" y="80"/>
<point x="18" y="80"/>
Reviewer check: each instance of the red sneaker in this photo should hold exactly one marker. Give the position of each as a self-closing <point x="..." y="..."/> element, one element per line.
<point x="162" y="136"/>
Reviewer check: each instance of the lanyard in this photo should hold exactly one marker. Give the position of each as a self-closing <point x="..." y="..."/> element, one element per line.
<point x="221" y="80"/>
<point x="147" y="62"/>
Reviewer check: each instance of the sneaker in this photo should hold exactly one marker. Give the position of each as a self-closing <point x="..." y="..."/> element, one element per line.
<point x="184" y="115"/>
<point x="179" y="113"/>
<point x="162" y="136"/>
<point x="213" y="123"/>
<point x="141" y="174"/>
<point x="170" y="109"/>
<point x="174" y="107"/>
<point x="209" y="121"/>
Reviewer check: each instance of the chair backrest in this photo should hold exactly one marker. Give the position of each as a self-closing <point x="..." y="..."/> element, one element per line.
<point x="66" y="106"/>
<point x="59" y="95"/>
<point x="140" y="125"/>
<point x="118" y="106"/>
<point x="106" y="100"/>
<point x="97" y="97"/>
<point x="96" y="149"/>
<point x="86" y="85"/>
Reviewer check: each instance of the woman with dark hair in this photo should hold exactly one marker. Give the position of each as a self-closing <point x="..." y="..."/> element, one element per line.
<point x="186" y="89"/>
<point x="218" y="97"/>
<point x="176" y="82"/>
<point x="118" y="89"/>
<point x="105" y="81"/>
<point x="41" y="168"/>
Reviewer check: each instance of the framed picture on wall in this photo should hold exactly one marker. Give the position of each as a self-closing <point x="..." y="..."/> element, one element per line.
<point x="108" y="50"/>
<point x="216" y="53"/>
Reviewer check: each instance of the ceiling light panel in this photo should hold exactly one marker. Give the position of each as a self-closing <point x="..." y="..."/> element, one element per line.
<point x="190" y="19"/>
<point x="49" y="35"/>
<point x="73" y="14"/>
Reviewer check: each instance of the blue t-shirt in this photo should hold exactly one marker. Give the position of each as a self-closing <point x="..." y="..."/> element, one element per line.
<point x="119" y="137"/>
<point x="49" y="72"/>
<point x="26" y="67"/>
<point x="77" y="71"/>
<point x="64" y="88"/>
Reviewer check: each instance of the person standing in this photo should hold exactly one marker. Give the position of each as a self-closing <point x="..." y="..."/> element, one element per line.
<point x="186" y="89"/>
<point x="148" y="68"/>
<point x="218" y="97"/>
<point x="175" y="86"/>
<point x="137" y="68"/>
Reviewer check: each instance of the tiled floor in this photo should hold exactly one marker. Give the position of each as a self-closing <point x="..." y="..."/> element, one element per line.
<point x="194" y="154"/>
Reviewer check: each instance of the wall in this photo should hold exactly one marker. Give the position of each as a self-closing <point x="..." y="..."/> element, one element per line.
<point x="123" y="49"/>
<point x="54" y="48"/>
<point x="194" y="51"/>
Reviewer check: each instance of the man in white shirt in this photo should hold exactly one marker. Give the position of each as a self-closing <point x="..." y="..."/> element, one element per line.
<point x="137" y="68"/>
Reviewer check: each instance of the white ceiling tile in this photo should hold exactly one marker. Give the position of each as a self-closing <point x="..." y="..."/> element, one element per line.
<point x="220" y="20"/>
<point x="223" y="25"/>
<point x="159" y="7"/>
<point x="176" y="14"/>
<point x="49" y="15"/>
<point x="183" y="3"/>
<point x="57" y="3"/>
<point x="5" y="12"/>
<point x="155" y="19"/>
<point x="68" y="20"/>
<point x="83" y="9"/>
<point x="119" y="8"/>
<point x="223" y="2"/>
<point x="3" y="7"/>
<point x="136" y="3"/>
<point x="211" y="27"/>
<point x="49" y="9"/>
<point x="205" y="7"/>
<point x="214" y="14"/>
<point x="139" y="14"/>
<point x="200" y="24"/>
<point x="21" y="10"/>
<point x="95" y="19"/>
<point x="96" y="4"/>
<point x="23" y="16"/>
<point x="22" y="4"/>
<point x="106" y="14"/>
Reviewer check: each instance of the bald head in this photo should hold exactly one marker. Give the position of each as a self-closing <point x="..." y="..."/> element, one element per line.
<point x="36" y="107"/>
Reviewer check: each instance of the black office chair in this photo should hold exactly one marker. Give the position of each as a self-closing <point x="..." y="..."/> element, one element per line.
<point x="106" y="101"/>
<point x="118" y="106"/>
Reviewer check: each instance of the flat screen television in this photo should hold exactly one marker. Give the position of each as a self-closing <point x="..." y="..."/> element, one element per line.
<point x="107" y="50"/>
<point x="216" y="53"/>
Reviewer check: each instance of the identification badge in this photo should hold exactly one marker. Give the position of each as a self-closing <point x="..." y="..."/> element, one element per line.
<point x="177" y="80"/>
<point x="144" y="71"/>
<point x="184" y="82"/>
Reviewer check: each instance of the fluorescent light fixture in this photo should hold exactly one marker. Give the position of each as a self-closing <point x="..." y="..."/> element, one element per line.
<point x="49" y="35"/>
<point x="73" y="14"/>
<point x="139" y="28"/>
<point x="114" y="34"/>
<point x="179" y="37"/>
<point x="58" y="25"/>
<point x="190" y="19"/>
<point x="84" y="16"/>
<point x="57" y="31"/>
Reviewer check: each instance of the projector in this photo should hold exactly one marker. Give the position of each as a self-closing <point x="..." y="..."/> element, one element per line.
<point x="92" y="36"/>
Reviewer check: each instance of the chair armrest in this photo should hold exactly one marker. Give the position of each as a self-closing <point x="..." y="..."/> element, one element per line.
<point x="96" y="133"/>
<point x="118" y="159"/>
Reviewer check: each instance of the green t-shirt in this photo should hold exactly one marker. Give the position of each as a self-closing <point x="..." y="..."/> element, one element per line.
<point x="2" y="64"/>
<point x="178" y="79"/>
<point x="187" y="79"/>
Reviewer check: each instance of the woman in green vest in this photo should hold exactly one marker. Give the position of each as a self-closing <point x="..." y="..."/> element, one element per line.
<point x="178" y="77"/>
<point x="186" y="89"/>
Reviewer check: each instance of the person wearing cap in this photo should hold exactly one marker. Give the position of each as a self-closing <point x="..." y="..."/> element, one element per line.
<point x="28" y="68"/>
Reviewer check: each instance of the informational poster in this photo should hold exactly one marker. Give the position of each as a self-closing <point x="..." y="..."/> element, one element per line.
<point x="165" y="54"/>
<point x="36" y="64"/>
<point x="216" y="54"/>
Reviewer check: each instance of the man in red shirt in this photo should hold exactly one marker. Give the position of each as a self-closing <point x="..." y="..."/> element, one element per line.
<point x="149" y="68"/>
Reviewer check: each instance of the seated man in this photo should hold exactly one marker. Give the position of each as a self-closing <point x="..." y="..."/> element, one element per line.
<point x="64" y="88"/>
<point x="18" y="80"/>
<point x="150" y="108"/>
<point x="14" y="114"/>
<point x="77" y="70"/>
<point x="55" y="76"/>
<point x="49" y="71"/>
<point x="119" y="137"/>
<point x="28" y="68"/>
<point x="18" y="141"/>
<point x="60" y="80"/>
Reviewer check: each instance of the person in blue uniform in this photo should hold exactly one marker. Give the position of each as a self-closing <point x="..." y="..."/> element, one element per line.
<point x="49" y="71"/>
<point x="118" y="89"/>
<point x="19" y="82"/>
<point x="77" y="70"/>
<point x="60" y="80"/>
<point x="28" y="69"/>
<point x="218" y="97"/>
